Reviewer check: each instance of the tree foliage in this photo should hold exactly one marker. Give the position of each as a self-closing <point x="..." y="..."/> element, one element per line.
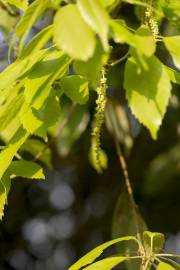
<point x="72" y="57"/>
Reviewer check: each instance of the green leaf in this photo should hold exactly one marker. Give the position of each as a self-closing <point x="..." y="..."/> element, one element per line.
<point x="171" y="11"/>
<point x="96" y="17"/>
<point x="29" y="57"/>
<point x="144" y="41"/>
<point x="76" y="88"/>
<point x="106" y="264"/>
<point x="153" y="242"/>
<point x="144" y="46"/>
<point x="38" y="82"/>
<point x="37" y="89"/>
<point x="21" y="4"/>
<point x="5" y="184"/>
<point x="127" y="221"/>
<point x="172" y="262"/>
<point x="29" y="18"/>
<point x="107" y="3"/>
<point x="9" y="76"/>
<point x="162" y="172"/>
<point x="120" y="33"/>
<point x="7" y="154"/>
<point x="117" y="122"/>
<point x="29" y="119"/>
<point x="95" y="253"/>
<point x="76" y="119"/>
<point x="173" y="46"/>
<point x="37" y="42"/>
<point x="26" y="169"/>
<point x="164" y="266"/>
<point x="10" y="106"/>
<point x="147" y="92"/>
<point x="39" y="150"/>
<point x="49" y="115"/>
<point x="173" y="75"/>
<point x="91" y="69"/>
<point x="72" y="34"/>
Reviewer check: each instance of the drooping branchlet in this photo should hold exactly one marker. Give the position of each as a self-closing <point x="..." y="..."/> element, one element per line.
<point x="99" y="118"/>
<point x="150" y="19"/>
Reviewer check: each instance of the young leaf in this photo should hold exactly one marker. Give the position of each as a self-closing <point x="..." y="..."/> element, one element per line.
<point x="91" y="69"/>
<point x="28" y="20"/>
<point x="95" y="253"/>
<point x="96" y="17"/>
<point x="72" y="34"/>
<point x="106" y="264"/>
<point x="147" y="92"/>
<point x="76" y="88"/>
<point x="153" y="242"/>
<point x="164" y="266"/>
<point x="173" y="46"/>
<point x="26" y="169"/>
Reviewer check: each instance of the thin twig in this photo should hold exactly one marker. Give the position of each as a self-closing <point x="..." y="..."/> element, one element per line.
<point x="128" y="186"/>
<point x="119" y="60"/>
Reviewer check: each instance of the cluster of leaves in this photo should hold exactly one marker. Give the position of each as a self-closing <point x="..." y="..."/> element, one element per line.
<point x="148" y="255"/>
<point x="78" y="39"/>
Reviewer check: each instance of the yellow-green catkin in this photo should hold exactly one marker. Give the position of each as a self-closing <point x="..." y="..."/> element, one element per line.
<point x="150" y="19"/>
<point x="99" y="118"/>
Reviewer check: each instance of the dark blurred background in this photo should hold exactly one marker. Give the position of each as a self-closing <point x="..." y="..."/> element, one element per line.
<point x="50" y="224"/>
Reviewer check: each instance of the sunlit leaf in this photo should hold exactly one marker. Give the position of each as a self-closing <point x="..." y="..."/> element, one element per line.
<point x="173" y="75"/>
<point x="72" y="34"/>
<point x="95" y="253"/>
<point x="29" y="18"/>
<point x="173" y="46"/>
<point x="76" y="88"/>
<point x="5" y="184"/>
<point x="147" y="92"/>
<point x="96" y="17"/>
<point x="164" y="266"/>
<point x="91" y="69"/>
<point x="106" y="264"/>
<point x="7" y="154"/>
<point x="26" y="169"/>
